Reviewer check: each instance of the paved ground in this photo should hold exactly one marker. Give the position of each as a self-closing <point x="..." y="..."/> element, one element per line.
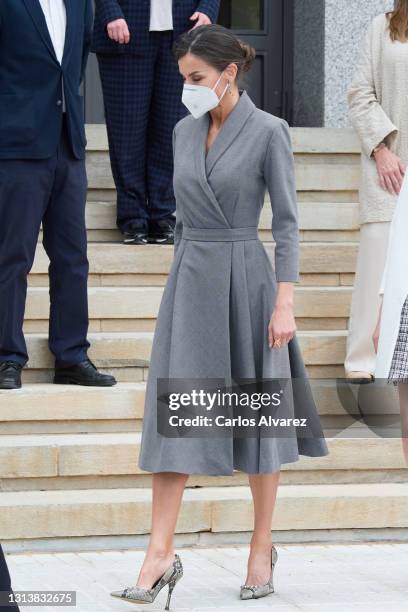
<point x="315" y="577"/>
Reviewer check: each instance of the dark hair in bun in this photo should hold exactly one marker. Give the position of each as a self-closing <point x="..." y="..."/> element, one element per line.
<point x="249" y="54"/>
<point x="217" y="46"/>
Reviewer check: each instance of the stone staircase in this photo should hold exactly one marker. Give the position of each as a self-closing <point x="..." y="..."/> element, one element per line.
<point x="68" y="455"/>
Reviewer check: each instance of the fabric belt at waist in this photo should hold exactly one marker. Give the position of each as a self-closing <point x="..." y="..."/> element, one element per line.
<point x="220" y="234"/>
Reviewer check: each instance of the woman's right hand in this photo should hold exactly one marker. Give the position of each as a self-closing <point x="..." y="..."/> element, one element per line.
<point x="390" y="170"/>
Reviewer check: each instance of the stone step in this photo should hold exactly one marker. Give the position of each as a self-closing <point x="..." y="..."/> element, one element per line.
<point x="40" y="407"/>
<point x="132" y="349"/>
<point x="316" y="280"/>
<point x="120" y="259"/>
<point x="40" y="326"/>
<point x="324" y="140"/>
<point x="335" y="235"/>
<point x="143" y="302"/>
<point x="329" y="216"/>
<point x="304" y="139"/>
<point x="320" y="171"/>
<point x="318" y="221"/>
<point x="130" y="373"/>
<point x="75" y="513"/>
<point x="69" y="403"/>
<point x="137" y="374"/>
<point x="320" y="167"/>
<point x="112" y="454"/>
<point x="325" y="159"/>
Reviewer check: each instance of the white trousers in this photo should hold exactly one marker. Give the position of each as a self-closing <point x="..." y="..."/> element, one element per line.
<point x="360" y="354"/>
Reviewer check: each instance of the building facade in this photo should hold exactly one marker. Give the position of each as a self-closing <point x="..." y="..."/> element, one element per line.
<point x="306" y="52"/>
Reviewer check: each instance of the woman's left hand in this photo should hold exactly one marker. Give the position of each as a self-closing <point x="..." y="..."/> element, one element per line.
<point x="282" y="326"/>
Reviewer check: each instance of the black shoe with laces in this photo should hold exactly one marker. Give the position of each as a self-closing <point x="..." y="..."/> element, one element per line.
<point x="10" y="375"/>
<point x="84" y="373"/>
<point x="136" y="233"/>
<point x="162" y="231"/>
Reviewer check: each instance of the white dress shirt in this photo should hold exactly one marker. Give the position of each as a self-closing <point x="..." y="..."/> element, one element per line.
<point x="161" y="15"/>
<point x="56" y="18"/>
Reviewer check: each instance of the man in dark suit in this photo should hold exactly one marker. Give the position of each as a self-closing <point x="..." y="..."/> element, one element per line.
<point x="44" y="46"/>
<point x="142" y="90"/>
<point x="5" y="586"/>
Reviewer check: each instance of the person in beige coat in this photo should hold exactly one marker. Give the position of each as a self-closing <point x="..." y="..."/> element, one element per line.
<point x="378" y="105"/>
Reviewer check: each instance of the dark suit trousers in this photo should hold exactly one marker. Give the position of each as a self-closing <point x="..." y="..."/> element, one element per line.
<point x="142" y="97"/>
<point x="53" y="191"/>
<point x="5" y="585"/>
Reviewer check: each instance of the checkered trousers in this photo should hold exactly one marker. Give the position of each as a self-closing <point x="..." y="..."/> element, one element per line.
<point x="142" y="99"/>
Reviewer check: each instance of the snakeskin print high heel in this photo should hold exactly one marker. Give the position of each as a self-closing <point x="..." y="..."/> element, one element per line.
<point x="135" y="594"/>
<point x="254" y="591"/>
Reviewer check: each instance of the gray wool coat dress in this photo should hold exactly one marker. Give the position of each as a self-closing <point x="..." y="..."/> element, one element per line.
<point x="221" y="288"/>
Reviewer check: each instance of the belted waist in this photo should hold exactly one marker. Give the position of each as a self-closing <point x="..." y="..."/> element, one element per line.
<point x="220" y="234"/>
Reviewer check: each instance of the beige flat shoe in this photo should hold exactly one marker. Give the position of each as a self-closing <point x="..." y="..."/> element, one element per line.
<point x="255" y="591"/>
<point x="361" y="378"/>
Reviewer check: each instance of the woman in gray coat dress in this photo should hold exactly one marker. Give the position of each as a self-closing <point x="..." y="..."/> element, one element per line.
<point x="225" y="313"/>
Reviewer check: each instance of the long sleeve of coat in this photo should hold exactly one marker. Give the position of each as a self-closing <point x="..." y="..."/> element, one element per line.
<point x="210" y="8"/>
<point x="367" y="116"/>
<point x="279" y="173"/>
<point x="110" y="10"/>
<point x="178" y="230"/>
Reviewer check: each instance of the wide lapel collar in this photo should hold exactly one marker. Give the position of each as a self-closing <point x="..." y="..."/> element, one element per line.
<point x="230" y="130"/>
<point x="38" y="17"/>
<point x="70" y="29"/>
<point x="201" y="125"/>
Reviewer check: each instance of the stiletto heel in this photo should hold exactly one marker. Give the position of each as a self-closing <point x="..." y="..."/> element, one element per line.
<point x="254" y="591"/>
<point x="135" y="594"/>
<point x="171" y="587"/>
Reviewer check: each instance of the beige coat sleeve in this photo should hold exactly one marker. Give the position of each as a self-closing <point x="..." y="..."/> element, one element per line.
<point x="367" y="116"/>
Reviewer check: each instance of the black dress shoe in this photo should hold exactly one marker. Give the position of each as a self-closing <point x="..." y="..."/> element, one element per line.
<point x="136" y="233"/>
<point x="84" y="373"/>
<point x="161" y="231"/>
<point x="10" y="375"/>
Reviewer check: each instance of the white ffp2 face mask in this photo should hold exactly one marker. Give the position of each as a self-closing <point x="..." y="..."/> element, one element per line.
<point x="200" y="99"/>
